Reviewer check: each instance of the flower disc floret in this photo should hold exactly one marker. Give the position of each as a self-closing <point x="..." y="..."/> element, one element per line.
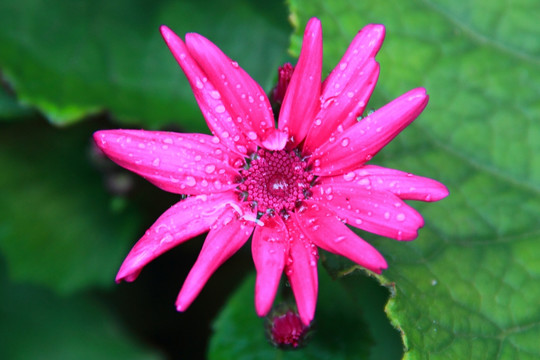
<point x="275" y="182"/>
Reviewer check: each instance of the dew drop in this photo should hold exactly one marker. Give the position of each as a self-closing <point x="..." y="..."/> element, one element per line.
<point x="210" y="168"/>
<point x="342" y="66"/>
<point x="167" y="238"/>
<point x="155" y="162"/>
<point x="339" y="239"/>
<point x="349" y="176"/>
<point x="252" y="135"/>
<point x="400" y="217"/>
<point x="190" y="181"/>
<point x="387" y="215"/>
<point x="215" y="94"/>
<point x="345" y="142"/>
<point x="220" y="109"/>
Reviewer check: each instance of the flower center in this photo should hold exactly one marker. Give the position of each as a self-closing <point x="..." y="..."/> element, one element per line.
<point x="276" y="181"/>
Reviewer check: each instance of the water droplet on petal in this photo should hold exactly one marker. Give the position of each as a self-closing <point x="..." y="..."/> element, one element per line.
<point x="190" y="181"/>
<point x="349" y="176"/>
<point x="339" y="239"/>
<point x="345" y="142"/>
<point x="220" y="109"/>
<point x="210" y="168"/>
<point x="166" y="238"/>
<point x="252" y="135"/>
<point x="155" y="162"/>
<point x="215" y="94"/>
<point x="400" y="217"/>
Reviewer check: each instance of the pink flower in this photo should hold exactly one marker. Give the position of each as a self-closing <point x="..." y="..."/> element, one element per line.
<point x="293" y="188"/>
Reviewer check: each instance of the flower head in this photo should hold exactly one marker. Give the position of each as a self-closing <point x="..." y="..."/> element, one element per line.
<point x="293" y="188"/>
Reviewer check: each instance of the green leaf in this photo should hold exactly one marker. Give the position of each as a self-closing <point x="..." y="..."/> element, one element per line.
<point x="340" y="330"/>
<point x="37" y="324"/>
<point x="9" y="108"/>
<point x="468" y="287"/>
<point x="58" y="226"/>
<point x="73" y="58"/>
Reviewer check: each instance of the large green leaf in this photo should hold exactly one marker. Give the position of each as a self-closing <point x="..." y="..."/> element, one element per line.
<point x="71" y="58"/>
<point x="468" y="287"/>
<point x="57" y="224"/>
<point x="37" y="324"/>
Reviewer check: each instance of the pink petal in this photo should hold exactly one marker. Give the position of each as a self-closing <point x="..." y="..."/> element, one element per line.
<point x="301" y="102"/>
<point x="225" y="238"/>
<point x="362" y="141"/>
<point x="327" y="232"/>
<point x="347" y="89"/>
<point x="179" y="163"/>
<point x="341" y="110"/>
<point x="186" y="219"/>
<point x="405" y="185"/>
<point x="234" y="106"/>
<point x="243" y="98"/>
<point x="301" y="269"/>
<point x="270" y="248"/>
<point x="379" y="212"/>
<point x="362" y="49"/>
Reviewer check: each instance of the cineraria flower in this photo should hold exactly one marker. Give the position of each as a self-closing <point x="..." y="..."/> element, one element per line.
<point x="292" y="189"/>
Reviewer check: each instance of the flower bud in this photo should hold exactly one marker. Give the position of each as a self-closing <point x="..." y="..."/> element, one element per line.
<point x="285" y="329"/>
<point x="284" y="78"/>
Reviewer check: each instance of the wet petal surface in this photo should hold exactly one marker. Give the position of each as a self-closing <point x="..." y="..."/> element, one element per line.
<point x="179" y="163"/>
<point x="359" y="143"/>
<point x="226" y="236"/>
<point x="324" y="228"/>
<point x="270" y="250"/>
<point x="379" y="212"/>
<point x="301" y="270"/>
<point x="301" y="101"/>
<point x="405" y="185"/>
<point x="184" y="220"/>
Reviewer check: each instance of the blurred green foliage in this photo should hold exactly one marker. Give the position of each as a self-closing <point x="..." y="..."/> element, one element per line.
<point x="467" y="288"/>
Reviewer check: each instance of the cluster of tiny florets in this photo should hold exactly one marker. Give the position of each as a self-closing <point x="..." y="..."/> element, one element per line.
<point x="275" y="181"/>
